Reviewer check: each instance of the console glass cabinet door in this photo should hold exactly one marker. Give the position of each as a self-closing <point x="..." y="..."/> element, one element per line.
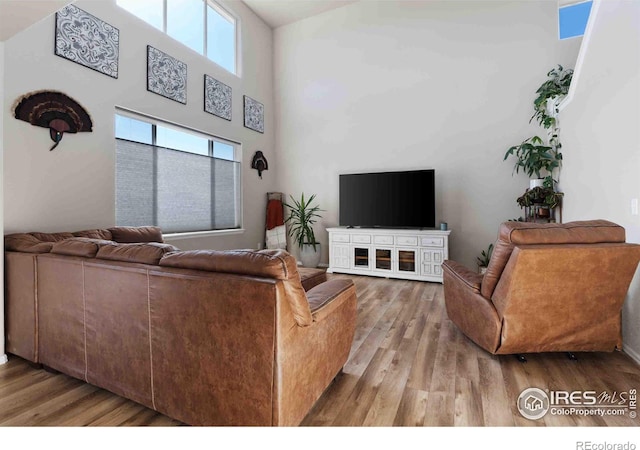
<point x="408" y="260"/>
<point x="361" y="257"/>
<point x="384" y="260"/>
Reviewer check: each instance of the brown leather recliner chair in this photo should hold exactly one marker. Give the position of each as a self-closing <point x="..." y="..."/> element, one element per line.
<point x="548" y="288"/>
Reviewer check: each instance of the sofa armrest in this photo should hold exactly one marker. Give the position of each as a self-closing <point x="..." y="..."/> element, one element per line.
<point x="470" y="278"/>
<point x="473" y="314"/>
<point x="308" y="358"/>
<point x="327" y="296"/>
<point x="310" y="278"/>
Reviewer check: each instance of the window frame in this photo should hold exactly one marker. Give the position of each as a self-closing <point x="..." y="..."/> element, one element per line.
<point x="237" y="157"/>
<point x="228" y="15"/>
<point x="221" y="10"/>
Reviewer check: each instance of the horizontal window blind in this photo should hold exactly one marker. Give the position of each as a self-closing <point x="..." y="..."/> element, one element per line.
<point x="175" y="190"/>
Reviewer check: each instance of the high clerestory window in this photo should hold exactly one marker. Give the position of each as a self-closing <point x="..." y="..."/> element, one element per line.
<point x="201" y="25"/>
<point x="573" y="18"/>
<point x="175" y="178"/>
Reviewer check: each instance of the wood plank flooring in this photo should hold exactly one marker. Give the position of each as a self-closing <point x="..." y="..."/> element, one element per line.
<point x="409" y="366"/>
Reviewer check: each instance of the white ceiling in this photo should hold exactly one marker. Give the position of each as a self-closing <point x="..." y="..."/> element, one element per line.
<point x="16" y="15"/>
<point x="282" y="12"/>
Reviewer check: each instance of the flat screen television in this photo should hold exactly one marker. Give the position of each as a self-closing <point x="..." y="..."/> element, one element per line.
<point x="388" y="199"/>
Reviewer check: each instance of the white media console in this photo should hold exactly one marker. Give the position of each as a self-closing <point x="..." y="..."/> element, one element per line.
<point x="412" y="254"/>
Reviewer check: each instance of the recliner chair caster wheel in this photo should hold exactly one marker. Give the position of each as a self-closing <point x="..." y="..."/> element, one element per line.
<point x="521" y="358"/>
<point x="572" y="356"/>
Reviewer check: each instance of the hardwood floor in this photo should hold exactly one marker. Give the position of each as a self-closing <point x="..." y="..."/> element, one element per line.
<point x="34" y="397"/>
<point x="409" y="366"/>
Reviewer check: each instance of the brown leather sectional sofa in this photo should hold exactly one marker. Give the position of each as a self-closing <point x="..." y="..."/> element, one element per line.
<point x="548" y="288"/>
<point x="205" y="337"/>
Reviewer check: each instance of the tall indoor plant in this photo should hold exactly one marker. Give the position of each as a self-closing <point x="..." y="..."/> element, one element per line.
<point x="302" y="216"/>
<point x="535" y="156"/>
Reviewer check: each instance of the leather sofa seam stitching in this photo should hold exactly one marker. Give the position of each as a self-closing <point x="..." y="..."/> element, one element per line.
<point x="84" y="326"/>
<point x="153" y="397"/>
<point x="36" y="344"/>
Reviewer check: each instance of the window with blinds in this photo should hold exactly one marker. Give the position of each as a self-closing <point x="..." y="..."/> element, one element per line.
<point x="174" y="178"/>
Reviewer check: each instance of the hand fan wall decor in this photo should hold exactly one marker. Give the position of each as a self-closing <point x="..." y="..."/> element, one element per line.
<point x="54" y="110"/>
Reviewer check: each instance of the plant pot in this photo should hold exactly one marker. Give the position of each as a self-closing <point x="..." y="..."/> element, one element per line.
<point x="544" y="212"/>
<point x="310" y="257"/>
<point x="535" y="182"/>
<point x="482" y="270"/>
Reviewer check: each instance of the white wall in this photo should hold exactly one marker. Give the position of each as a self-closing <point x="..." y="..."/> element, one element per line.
<point x="382" y="85"/>
<point x="73" y="187"/>
<point x="3" y="357"/>
<point x="601" y="135"/>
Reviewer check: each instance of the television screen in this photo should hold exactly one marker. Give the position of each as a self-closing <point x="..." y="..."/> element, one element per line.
<point x="388" y="199"/>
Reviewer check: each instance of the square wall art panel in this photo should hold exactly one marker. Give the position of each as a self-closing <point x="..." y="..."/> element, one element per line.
<point x="253" y="114"/>
<point x="217" y="98"/>
<point x="166" y="75"/>
<point x="87" y="40"/>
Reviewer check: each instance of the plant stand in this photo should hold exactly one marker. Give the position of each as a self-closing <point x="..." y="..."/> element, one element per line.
<point x="533" y="214"/>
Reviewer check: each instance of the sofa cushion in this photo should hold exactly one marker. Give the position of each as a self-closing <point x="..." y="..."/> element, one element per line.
<point x="136" y="234"/>
<point x="579" y="232"/>
<point x="24" y="242"/>
<point x="140" y="252"/>
<point x="265" y="263"/>
<point x="78" y="246"/>
<point x="95" y="234"/>
<point x="51" y="237"/>
<point x="275" y="264"/>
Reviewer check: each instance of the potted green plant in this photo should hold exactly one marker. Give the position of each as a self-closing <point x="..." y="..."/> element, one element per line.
<point x="541" y="200"/>
<point x="302" y="216"/>
<point x="550" y="93"/>
<point x="533" y="156"/>
<point x="541" y="195"/>
<point x="484" y="258"/>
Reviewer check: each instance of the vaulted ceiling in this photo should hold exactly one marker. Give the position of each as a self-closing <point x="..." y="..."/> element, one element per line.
<point x="282" y="12"/>
<point x="16" y="15"/>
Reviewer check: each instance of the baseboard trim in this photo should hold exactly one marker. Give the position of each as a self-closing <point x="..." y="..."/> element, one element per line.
<point x="632" y="353"/>
<point x="3" y="359"/>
